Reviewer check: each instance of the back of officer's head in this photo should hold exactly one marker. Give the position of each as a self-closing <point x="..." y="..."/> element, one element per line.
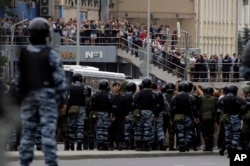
<point x="233" y="89"/>
<point x="146" y="82"/>
<point x="39" y="31"/>
<point x="170" y="87"/>
<point x="183" y="86"/>
<point x="103" y="84"/>
<point x="208" y="90"/>
<point x="77" y="77"/>
<point x="131" y="87"/>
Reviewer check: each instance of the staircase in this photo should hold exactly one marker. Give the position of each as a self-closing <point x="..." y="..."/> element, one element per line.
<point x="168" y="76"/>
<point x="154" y="70"/>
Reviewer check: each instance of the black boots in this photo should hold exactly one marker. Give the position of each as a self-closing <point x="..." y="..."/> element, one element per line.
<point x="162" y="145"/>
<point x="66" y="145"/>
<point x="79" y="146"/>
<point x="72" y="146"/>
<point x="138" y="145"/>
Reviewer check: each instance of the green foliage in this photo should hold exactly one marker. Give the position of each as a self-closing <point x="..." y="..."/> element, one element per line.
<point x="240" y="44"/>
<point x="4" y="6"/>
<point x="246" y="35"/>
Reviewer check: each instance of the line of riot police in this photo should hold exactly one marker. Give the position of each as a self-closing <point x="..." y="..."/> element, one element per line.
<point x="151" y="118"/>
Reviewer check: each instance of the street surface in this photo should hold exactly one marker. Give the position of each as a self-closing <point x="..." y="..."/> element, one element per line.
<point x="156" y="161"/>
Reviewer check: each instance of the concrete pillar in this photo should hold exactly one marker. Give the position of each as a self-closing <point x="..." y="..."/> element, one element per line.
<point x="104" y="13"/>
<point x="246" y="15"/>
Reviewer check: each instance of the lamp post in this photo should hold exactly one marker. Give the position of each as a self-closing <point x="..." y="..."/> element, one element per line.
<point x="186" y="77"/>
<point x="148" y="38"/>
<point x="78" y="34"/>
<point x="12" y="34"/>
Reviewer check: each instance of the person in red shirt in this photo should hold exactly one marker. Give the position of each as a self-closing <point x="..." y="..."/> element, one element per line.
<point x="143" y="36"/>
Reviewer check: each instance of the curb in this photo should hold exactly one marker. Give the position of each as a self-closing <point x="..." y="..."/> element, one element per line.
<point x="77" y="155"/>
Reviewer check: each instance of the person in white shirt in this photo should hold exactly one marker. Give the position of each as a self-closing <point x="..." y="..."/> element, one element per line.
<point x="192" y="62"/>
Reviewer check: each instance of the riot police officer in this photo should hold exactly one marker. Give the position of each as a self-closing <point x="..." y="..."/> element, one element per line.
<point x="144" y="101"/>
<point x="41" y="83"/>
<point x="162" y="106"/>
<point x="246" y="120"/>
<point x="102" y="104"/>
<point x="196" y="93"/>
<point x="76" y="110"/>
<point x="231" y="106"/>
<point x="244" y="67"/>
<point x="128" y="133"/>
<point x="89" y="123"/>
<point x="184" y="113"/>
<point x="116" y="132"/>
<point x="207" y="110"/>
<point x="168" y="125"/>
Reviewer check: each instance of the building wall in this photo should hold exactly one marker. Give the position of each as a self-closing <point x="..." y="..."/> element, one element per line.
<point x="243" y="14"/>
<point x="210" y="23"/>
<point x="69" y="10"/>
<point x="159" y="8"/>
<point x="216" y="24"/>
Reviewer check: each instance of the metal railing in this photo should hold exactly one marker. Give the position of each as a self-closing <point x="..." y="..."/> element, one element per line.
<point x="165" y="60"/>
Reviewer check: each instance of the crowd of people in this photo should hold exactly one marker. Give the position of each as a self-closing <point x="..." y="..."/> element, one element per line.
<point x="132" y="37"/>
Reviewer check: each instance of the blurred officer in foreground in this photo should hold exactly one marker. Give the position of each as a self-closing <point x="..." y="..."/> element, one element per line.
<point x="4" y="121"/>
<point x="246" y="120"/>
<point x="184" y="113"/>
<point x="13" y="102"/>
<point x="102" y="104"/>
<point x="245" y="65"/>
<point x="41" y="83"/>
<point x="77" y="111"/>
<point x="231" y="106"/>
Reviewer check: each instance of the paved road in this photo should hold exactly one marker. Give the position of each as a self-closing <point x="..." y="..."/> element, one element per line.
<point x="156" y="161"/>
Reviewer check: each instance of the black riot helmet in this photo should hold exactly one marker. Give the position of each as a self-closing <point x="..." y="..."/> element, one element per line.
<point x="209" y="90"/>
<point x="183" y="87"/>
<point x="39" y="31"/>
<point x="103" y="85"/>
<point x="233" y="89"/>
<point x="131" y="87"/>
<point x="146" y="82"/>
<point x="170" y="87"/>
<point x="225" y="90"/>
<point x="77" y="77"/>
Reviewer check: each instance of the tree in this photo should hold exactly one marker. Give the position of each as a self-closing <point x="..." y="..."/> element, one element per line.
<point x="246" y="35"/>
<point x="5" y="5"/>
<point x="240" y="44"/>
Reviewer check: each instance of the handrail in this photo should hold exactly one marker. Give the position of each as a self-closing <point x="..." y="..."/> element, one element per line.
<point x="12" y="29"/>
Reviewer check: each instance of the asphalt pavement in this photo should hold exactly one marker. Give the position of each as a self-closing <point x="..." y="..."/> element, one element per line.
<point x="94" y="154"/>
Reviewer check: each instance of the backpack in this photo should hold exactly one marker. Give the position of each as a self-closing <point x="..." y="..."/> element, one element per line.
<point x="208" y="107"/>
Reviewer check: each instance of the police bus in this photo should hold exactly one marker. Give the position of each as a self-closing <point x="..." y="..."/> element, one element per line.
<point x="92" y="75"/>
